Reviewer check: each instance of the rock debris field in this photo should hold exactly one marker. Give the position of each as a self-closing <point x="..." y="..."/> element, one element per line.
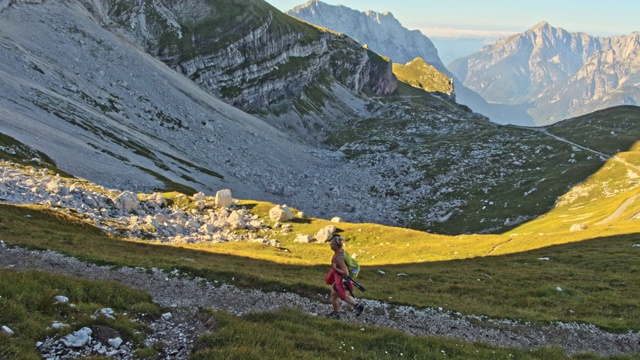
<point x="186" y="296"/>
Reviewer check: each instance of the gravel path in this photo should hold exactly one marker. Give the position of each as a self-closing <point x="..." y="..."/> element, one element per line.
<point x="185" y="294"/>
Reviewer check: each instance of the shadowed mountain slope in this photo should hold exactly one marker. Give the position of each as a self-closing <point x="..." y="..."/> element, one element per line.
<point x="354" y="142"/>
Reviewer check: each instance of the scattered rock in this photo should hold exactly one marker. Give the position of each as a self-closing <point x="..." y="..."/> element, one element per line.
<point x="304" y="239"/>
<point x="7" y="330"/>
<point x="61" y="299"/>
<point x="323" y="235"/>
<point x="127" y="201"/>
<point x="578" y="227"/>
<point x="78" y="339"/>
<point x="281" y="213"/>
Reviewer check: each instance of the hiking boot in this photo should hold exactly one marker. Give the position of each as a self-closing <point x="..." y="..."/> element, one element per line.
<point x="359" y="308"/>
<point x="333" y="315"/>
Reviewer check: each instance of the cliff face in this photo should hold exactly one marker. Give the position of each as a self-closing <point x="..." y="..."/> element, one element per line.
<point x="247" y="53"/>
<point x="558" y="73"/>
<point x="382" y="32"/>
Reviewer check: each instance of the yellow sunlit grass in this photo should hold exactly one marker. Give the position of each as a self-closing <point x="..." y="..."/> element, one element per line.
<point x="605" y="204"/>
<point x="597" y="265"/>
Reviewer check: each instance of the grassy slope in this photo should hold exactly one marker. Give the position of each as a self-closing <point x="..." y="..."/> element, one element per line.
<point x="448" y="271"/>
<point x="596" y="269"/>
<point x="289" y="334"/>
<point x="598" y="277"/>
<point x="419" y="74"/>
<point x="28" y="307"/>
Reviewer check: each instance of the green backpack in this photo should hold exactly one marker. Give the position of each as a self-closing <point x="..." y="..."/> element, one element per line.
<point x="352" y="265"/>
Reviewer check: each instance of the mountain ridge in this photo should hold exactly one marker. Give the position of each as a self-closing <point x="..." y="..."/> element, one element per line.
<point x="558" y="74"/>
<point x="341" y="17"/>
<point x="104" y="110"/>
<point x="403" y="45"/>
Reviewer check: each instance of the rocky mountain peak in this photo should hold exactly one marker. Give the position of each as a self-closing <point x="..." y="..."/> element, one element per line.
<point x="382" y="32"/>
<point x="558" y="73"/>
<point x="382" y="18"/>
<point x="542" y="25"/>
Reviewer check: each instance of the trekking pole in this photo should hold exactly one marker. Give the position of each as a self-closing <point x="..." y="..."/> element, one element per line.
<point x="355" y="283"/>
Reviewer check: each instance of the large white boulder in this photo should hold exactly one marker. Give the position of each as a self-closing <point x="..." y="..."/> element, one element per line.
<point x="223" y="198"/>
<point x="323" y="235"/>
<point x="127" y="201"/>
<point x="280" y="213"/>
<point x="199" y="197"/>
<point x="236" y="220"/>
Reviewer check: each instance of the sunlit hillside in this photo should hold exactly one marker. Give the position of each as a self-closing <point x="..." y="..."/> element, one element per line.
<point x="606" y="204"/>
<point x="405" y="266"/>
<point x="418" y="73"/>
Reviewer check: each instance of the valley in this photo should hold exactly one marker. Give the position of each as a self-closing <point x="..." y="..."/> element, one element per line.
<point x="143" y="147"/>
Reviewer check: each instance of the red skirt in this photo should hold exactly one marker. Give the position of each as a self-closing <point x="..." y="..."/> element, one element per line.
<point x="335" y="279"/>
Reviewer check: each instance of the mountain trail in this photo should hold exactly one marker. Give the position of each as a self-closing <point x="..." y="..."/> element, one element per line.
<point x="497" y="246"/>
<point x="185" y="294"/>
<point x="619" y="210"/>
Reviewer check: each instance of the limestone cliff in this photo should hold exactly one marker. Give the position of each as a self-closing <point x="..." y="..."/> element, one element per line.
<point x="248" y="53"/>
<point x="382" y="32"/>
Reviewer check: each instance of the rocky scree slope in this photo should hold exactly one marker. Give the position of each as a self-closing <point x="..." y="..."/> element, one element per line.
<point x="89" y="97"/>
<point x="182" y="220"/>
<point x="104" y="110"/>
<point x="251" y="55"/>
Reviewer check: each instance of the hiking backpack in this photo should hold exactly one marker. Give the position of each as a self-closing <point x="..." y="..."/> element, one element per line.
<point x="352" y="265"/>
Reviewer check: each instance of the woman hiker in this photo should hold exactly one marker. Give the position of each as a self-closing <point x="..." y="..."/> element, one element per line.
<point x="334" y="277"/>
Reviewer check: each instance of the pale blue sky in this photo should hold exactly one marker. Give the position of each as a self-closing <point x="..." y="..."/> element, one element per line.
<point x="497" y="18"/>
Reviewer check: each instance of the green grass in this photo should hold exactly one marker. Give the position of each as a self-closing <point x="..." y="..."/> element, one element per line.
<point x="515" y="275"/>
<point x="601" y="288"/>
<point x="421" y="75"/>
<point x="289" y="334"/>
<point x="28" y="308"/>
<point x="610" y="131"/>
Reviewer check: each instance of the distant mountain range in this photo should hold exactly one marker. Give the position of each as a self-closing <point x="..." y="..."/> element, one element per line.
<point x="556" y="74"/>
<point x="383" y="33"/>
<point x="538" y="77"/>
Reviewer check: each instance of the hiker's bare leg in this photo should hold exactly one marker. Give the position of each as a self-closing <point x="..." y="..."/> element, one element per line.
<point x="349" y="300"/>
<point x="335" y="304"/>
